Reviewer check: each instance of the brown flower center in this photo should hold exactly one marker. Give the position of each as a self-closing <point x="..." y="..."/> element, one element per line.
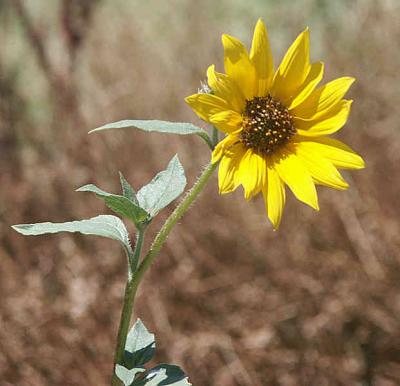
<point x="267" y="125"/>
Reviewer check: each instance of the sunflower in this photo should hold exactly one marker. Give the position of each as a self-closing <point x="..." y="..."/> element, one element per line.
<point x="276" y="123"/>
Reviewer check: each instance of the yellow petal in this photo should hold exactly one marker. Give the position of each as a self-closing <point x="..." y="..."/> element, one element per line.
<point x="226" y="88"/>
<point x="252" y="173"/>
<point x="293" y="69"/>
<point x="293" y="172"/>
<point x="323" y="98"/>
<point x="205" y="105"/>
<point x="313" y="78"/>
<point x="261" y="57"/>
<point x="274" y="197"/>
<point x="335" y="151"/>
<point x="227" y="121"/>
<point x="223" y="146"/>
<point x="321" y="169"/>
<point x="228" y="173"/>
<point x="238" y="66"/>
<point x="332" y="121"/>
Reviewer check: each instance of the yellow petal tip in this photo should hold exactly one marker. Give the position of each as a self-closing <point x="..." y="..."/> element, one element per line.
<point x="226" y="38"/>
<point x="260" y="23"/>
<point x="345" y="185"/>
<point x="314" y="204"/>
<point x="351" y="79"/>
<point x="189" y="99"/>
<point x="361" y="164"/>
<point x="211" y="68"/>
<point x="276" y="223"/>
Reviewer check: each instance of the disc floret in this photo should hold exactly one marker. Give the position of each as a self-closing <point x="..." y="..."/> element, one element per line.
<point x="267" y="125"/>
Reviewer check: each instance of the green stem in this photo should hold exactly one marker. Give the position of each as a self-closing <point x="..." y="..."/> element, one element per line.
<point x="133" y="260"/>
<point x="129" y="296"/>
<point x="136" y="276"/>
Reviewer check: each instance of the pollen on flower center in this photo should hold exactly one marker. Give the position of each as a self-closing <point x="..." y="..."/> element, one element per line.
<point x="267" y="125"/>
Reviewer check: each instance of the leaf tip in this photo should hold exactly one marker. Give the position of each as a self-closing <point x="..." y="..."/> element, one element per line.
<point x="84" y="188"/>
<point x="21" y="228"/>
<point x="16" y="227"/>
<point x="94" y="130"/>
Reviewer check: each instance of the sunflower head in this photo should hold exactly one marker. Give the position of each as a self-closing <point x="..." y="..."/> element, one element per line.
<point x="276" y="122"/>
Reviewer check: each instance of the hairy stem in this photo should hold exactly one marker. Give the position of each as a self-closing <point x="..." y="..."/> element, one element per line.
<point x="126" y="314"/>
<point x="133" y="259"/>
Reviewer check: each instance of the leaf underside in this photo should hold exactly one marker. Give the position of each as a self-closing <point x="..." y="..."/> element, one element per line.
<point x="180" y="128"/>
<point x="104" y="225"/>
<point x="165" y="187"/>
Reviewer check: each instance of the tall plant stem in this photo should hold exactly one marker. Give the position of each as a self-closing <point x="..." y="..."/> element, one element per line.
<point x="127" y="307"/>
<point x="134" y="278"/>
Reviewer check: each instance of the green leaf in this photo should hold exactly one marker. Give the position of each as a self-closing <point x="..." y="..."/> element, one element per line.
<point x="118" y="204"/>
<point x="181" y="128"/>
<point x="163" y="375"/>
<point x="127" y="189"/>
<point x="140" y="345"/>
<point x="165" y="187"/>
<point x="106" y="226"/>
<point x="139" y="349"/>
<point x="125" y="375"/>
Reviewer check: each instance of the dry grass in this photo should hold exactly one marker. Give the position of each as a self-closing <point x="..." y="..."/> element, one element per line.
<point x="233" y="303"/>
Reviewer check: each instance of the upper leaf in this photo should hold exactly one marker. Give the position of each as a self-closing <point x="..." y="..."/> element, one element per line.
<point x="119" y="204"/>
<point x="106" y="226"/>
<point x="163" y="188"/>
<point x="127" y="189"/>
<point x="140" y="345"/>
<point x="163" y="375"/>
<point x="181" y="128"/>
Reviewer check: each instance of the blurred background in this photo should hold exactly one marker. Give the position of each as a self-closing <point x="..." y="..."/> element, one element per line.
<point x="233" y="303"/>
